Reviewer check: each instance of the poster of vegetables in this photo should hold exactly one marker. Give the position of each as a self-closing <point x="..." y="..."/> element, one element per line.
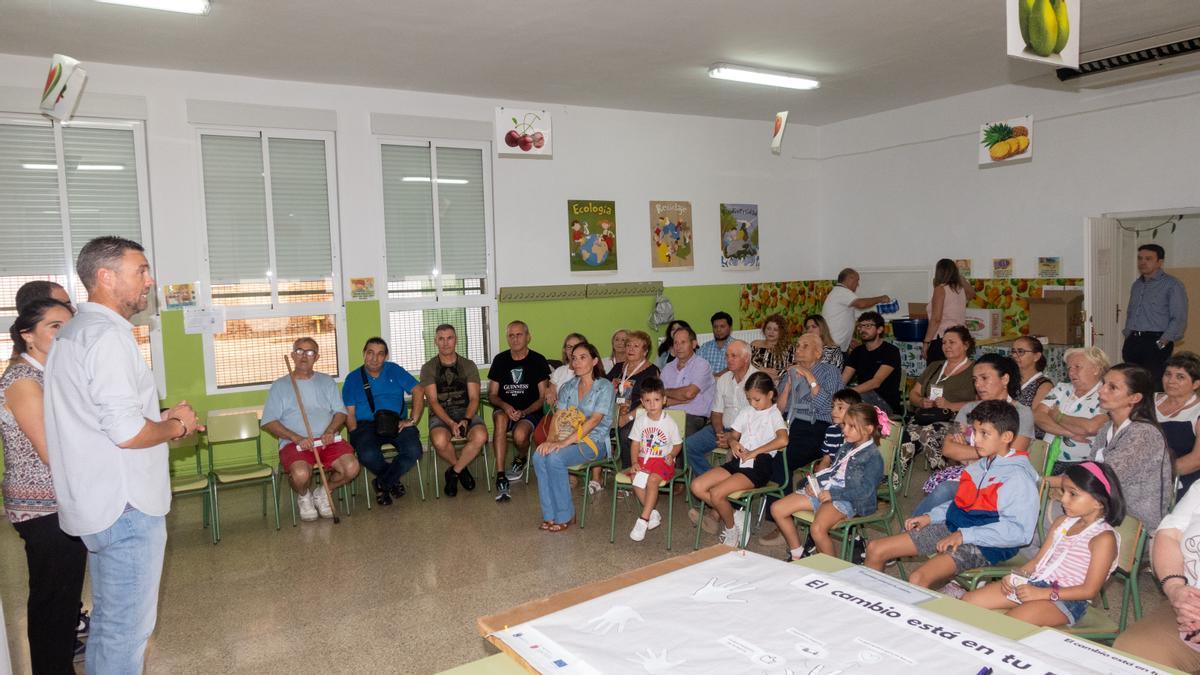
<point x="671" y="235"/>
<point x="1006" y="142"/>
<point x="592" y="235"/>
<point x="523" y="133"/>
<point x="739" y="236"/>
<point x="1046" y="31"/>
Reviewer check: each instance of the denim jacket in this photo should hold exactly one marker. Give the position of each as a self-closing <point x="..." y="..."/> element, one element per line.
<point x="857" y="480"/>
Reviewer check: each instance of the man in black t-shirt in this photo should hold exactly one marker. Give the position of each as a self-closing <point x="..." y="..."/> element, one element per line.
<point x="517" y="382"/>
<point x="873" y="368"/>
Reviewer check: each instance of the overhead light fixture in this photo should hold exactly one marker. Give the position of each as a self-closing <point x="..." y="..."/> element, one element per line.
<point x="771" y="78"/>
<point x="183" y="6"/>
<point x="39" y="167"/>
<point x="425" y="179"/>
<point x="100" y="167"/>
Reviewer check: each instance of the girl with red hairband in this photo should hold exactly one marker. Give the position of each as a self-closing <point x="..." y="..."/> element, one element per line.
<point x="1055" y="587"/>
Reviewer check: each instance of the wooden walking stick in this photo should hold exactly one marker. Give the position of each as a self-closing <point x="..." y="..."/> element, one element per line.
<point x="315" y="451"/>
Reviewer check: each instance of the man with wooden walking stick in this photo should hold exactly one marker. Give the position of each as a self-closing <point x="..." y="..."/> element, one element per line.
<point x="299" y="406"/>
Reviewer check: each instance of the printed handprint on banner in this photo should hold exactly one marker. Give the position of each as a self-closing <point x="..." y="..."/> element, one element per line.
<point x="615" y="618"/>
<point x="655" y="663"/>
<point x="713" y="592"/>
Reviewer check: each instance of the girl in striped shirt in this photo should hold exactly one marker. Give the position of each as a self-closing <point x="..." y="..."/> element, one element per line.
<point x="1055" y="587"/>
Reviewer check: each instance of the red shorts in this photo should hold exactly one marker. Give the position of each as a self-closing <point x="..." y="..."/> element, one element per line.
<point x="291" y="453"/>
<point x="658" y="466"/>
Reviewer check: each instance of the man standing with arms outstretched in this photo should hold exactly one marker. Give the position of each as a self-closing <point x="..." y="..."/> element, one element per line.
<point x="107" y="445"/>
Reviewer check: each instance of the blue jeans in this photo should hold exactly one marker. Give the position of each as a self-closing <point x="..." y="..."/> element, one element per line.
<point x="125" y="562"/>
<point x="554" y="488"/>
<point x="941" y="494"/>
<point x="698" y="445"/>
<point x="368" y="445"/>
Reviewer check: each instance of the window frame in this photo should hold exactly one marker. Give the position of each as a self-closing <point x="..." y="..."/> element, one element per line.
<point x="439" y="300"/>
<point x="153" y="320"/>
<point x="275" y="309"/>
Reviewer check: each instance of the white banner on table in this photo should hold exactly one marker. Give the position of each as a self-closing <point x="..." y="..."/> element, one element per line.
<point x="1087" y="654"/>
<point x="887" y="586"/>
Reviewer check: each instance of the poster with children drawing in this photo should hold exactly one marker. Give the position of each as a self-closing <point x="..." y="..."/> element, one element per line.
<point x="671" y="235"/>
<point x="739" y="236"/>
<point x="592" y="235"/>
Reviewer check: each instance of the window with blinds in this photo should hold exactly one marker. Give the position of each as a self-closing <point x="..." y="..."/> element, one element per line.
<point x="438" y="231"/>
<point x="271" y="232"/>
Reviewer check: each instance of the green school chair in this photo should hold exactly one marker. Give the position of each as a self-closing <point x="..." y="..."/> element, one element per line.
<point x="623" y="482"/>
<point x="198" y="483"/>
<point x="223" y="429"/>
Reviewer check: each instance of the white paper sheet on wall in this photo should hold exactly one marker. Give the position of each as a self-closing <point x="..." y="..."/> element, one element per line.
<point x="204" y="320"/>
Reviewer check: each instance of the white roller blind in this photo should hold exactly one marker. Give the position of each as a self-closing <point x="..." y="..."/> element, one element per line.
<point x="102" y="186"/>
<point x="461" y="214"/>
<point x="235" y="208"/>
<point x="31" y="234"/>
<point x="300" y="206"/>
<point x="408" y="211"/>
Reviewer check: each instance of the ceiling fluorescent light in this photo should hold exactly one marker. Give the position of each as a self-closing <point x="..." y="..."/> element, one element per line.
<point x="40" y="167"/>
<point x="425" y="179"/>
<point x="771" y="78"/>
<point x="100" y="167"/>
<point x="184" y="6"/>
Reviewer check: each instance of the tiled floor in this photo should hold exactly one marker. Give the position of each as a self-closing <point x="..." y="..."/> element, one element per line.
<point x="395" y="589"/>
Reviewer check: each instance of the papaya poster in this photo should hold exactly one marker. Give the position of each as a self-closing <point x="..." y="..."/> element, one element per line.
<point x="671" y="235"/>
<point x="739" y="236"/>
<point x="592" y="235"/>
<point x="1046" y="31"/>
<point x="1006" y="141"/>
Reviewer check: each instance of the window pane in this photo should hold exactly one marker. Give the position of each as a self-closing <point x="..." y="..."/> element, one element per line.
<point x="408" y="215"/>
<point x="102" y="186"/>
<point x="306" y="291"/>
<point x="461" y="212"/>
<point x="31" y="235"/>
<point x="412" y="334"/>
<point x="300" y="207"/>
<point x="251" y="351"/>
<point x="8" y="292"/>
<point x="235" y="208"/>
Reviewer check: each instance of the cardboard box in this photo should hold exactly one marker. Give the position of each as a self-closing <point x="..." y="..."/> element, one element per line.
<point x="918" y="310"/>
<point x="1058" y="315"/>
<point x="984" y="323"/>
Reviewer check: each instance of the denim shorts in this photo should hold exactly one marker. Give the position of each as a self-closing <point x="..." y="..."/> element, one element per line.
<point x="844" y="507"/>
<point x="1073" y="609"/>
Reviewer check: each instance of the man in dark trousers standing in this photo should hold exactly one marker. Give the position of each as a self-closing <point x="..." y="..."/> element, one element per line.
<point x="1156" y="315"/>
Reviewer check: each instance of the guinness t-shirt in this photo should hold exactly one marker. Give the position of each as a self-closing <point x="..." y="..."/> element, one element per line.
<point x="518" y="380"/>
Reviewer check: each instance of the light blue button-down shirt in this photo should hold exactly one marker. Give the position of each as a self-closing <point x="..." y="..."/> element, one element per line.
<point x="1158" y="305"/>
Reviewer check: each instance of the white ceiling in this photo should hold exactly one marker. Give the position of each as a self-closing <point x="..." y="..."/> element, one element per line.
<point x="870" y="55"/>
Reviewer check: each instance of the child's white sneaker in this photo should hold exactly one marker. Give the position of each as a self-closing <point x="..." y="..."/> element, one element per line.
<point x="308" y="512"/>
<point x="322" y="501"/>
<point x="594" y="487"/>
<point x="730" y="537"/>
<point x="638" y="532"/>
<point x="655" y="520"/>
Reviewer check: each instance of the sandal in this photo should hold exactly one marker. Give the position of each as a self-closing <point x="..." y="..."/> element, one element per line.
<point x="546" y="525"/>
<point x="560" y="527"/>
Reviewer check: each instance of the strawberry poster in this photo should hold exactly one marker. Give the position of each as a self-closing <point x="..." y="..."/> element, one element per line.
<point x="592" y="235"/>
<point x="777" y="134"/>
<point x="671" y="235"/>
<point x="739" y="236"/>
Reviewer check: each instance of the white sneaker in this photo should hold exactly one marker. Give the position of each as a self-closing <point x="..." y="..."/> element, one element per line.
<point x="594" y="487"/>
<point x="638" y="532"/>
<point x="655" y="520"/>
<point x="322" y="501"/>
<point x="730" y="537"/>
<point x="308" y="512"/>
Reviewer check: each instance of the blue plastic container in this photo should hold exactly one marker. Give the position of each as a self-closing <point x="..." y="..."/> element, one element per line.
<point x="910" y="330"/>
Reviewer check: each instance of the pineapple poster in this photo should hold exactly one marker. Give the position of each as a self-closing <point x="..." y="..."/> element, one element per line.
<point x="1006" y="142"/>
<point x="671" y="235"/>
<point x="1046" y="31"/>
<point x="592" y="235"/>
<point x="739" y="236"/>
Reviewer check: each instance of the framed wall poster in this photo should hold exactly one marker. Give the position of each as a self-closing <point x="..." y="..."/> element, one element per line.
<point x="523" y="133"/>
<point x="1050" y="267"/>
<point x="592" y="235"/>
<point x="1045" y="31"/>
<point x="178" y="296"/>
<point x="671" y="235"/>
<point x="777" y="135"/>
<point x="1006" y="142"/>
<point x="1002" y="268"/>
<point x="362" y="288"/>
<point x="964" y="266"/>
<point x="739" y="236"/>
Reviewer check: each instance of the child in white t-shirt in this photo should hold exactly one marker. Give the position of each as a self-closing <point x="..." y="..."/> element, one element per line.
<point x="655" y="442"/>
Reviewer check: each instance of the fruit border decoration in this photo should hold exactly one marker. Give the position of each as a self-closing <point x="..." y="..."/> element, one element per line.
<point x="523" y="133"/>
<point x="1011" y="297"/>
<point x="1006" y="142"/>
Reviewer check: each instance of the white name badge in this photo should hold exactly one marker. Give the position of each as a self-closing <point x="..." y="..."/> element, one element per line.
<point x="935" y="393"/>
<point x="640" y="479"/>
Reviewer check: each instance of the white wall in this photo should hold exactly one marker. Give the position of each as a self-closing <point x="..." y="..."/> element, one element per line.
<point x="1182" y="245"/>
<point x="630" y="157"/>
<point x="903" y="187"/>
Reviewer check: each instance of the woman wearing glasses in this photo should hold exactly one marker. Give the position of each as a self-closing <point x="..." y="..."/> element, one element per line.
<point x="1031" y="361"/>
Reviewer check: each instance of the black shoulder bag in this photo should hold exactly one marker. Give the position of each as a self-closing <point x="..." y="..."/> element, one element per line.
<point x="387" y="422"/>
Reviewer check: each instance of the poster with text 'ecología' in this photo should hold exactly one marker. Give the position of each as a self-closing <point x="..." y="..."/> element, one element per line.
<point x="671" y="235"/>
<point x="592" y="235"/>
<point x="739" y="236"/>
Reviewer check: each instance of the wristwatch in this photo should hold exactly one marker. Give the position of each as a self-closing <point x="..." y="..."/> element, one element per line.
<point x="1054" y="591"/>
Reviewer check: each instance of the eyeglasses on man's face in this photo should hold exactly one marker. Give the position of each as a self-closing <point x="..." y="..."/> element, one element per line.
<point x="304" y="352"/>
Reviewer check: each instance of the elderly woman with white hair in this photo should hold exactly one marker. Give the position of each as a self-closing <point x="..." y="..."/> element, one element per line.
<point x="1070" y="415"/>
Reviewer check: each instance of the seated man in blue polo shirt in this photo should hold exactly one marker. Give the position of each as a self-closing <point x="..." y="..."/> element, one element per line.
<point x="374" y="399"/>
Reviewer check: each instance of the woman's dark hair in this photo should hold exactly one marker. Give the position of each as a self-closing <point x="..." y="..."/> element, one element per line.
<point x="597" y="367"/>
<point x="675" y="325"/>
<point x="1138" y="380"/>
<point x="760" y="382"/>
<point x="946" y="272"/>
<point x="37" y="289"/>
<point x="783" y="346"/>
<point x="1114" y="502"/>
<point x="652" y="385"/>
<point x="848" y="396"/>
<point x="866" y="416"/>
<point x="1188" y="362"/>
<point x="1035" y="345"/>
<point x="29" y="318"/>
<point x="964" y="335"/>
<point x="1004" y="366"/>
